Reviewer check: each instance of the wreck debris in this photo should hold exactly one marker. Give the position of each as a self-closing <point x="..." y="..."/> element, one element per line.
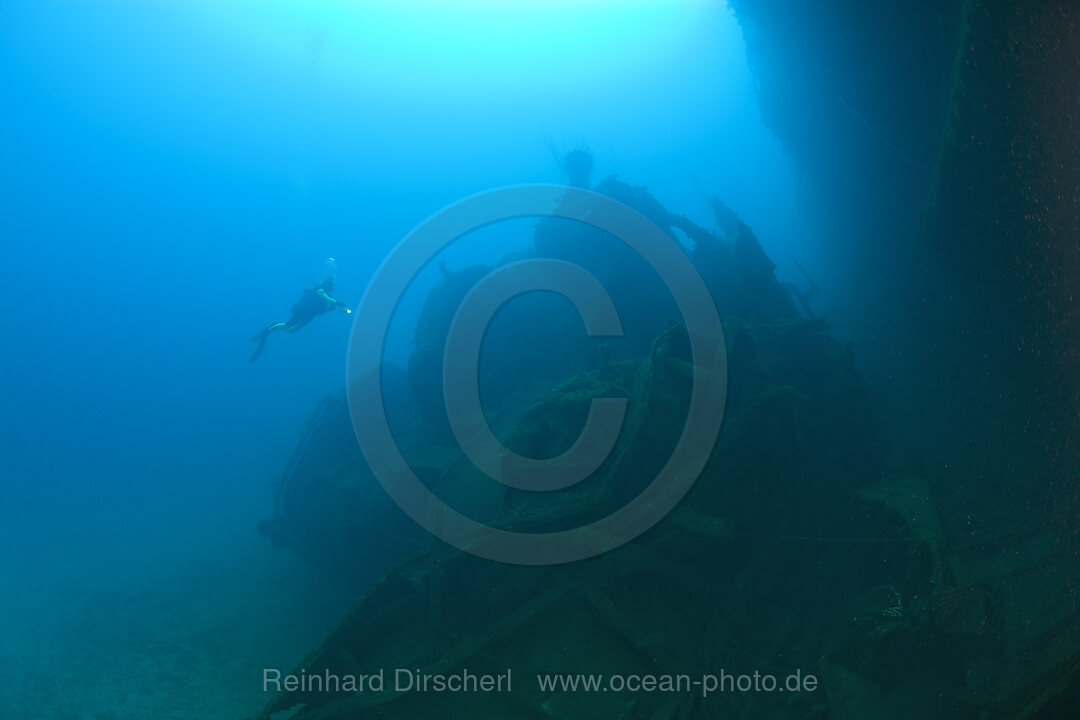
<point x="796" y="549"/>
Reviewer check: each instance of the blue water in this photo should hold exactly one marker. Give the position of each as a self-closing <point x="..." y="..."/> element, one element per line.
<point x="175" y="173"/>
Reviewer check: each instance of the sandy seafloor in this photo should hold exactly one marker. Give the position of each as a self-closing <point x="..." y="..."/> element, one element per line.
<point x="104" y="629"/>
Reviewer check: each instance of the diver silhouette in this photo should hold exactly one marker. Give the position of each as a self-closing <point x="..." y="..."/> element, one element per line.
<point x="315" y="301"/>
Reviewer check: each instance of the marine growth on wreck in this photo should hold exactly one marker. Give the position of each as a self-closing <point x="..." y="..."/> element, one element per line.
<point x="864" y="567"/>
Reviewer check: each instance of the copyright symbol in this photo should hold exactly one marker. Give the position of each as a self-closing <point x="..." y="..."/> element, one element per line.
<point x="461" y="360"/>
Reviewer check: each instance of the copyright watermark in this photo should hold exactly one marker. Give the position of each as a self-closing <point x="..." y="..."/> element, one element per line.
<point x="460" y="374"/>
<point x="414" y="680"/>
<point x="705" y="684"/>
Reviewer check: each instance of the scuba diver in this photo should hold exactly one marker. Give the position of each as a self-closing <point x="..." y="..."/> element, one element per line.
<point x="315" y="301"/>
